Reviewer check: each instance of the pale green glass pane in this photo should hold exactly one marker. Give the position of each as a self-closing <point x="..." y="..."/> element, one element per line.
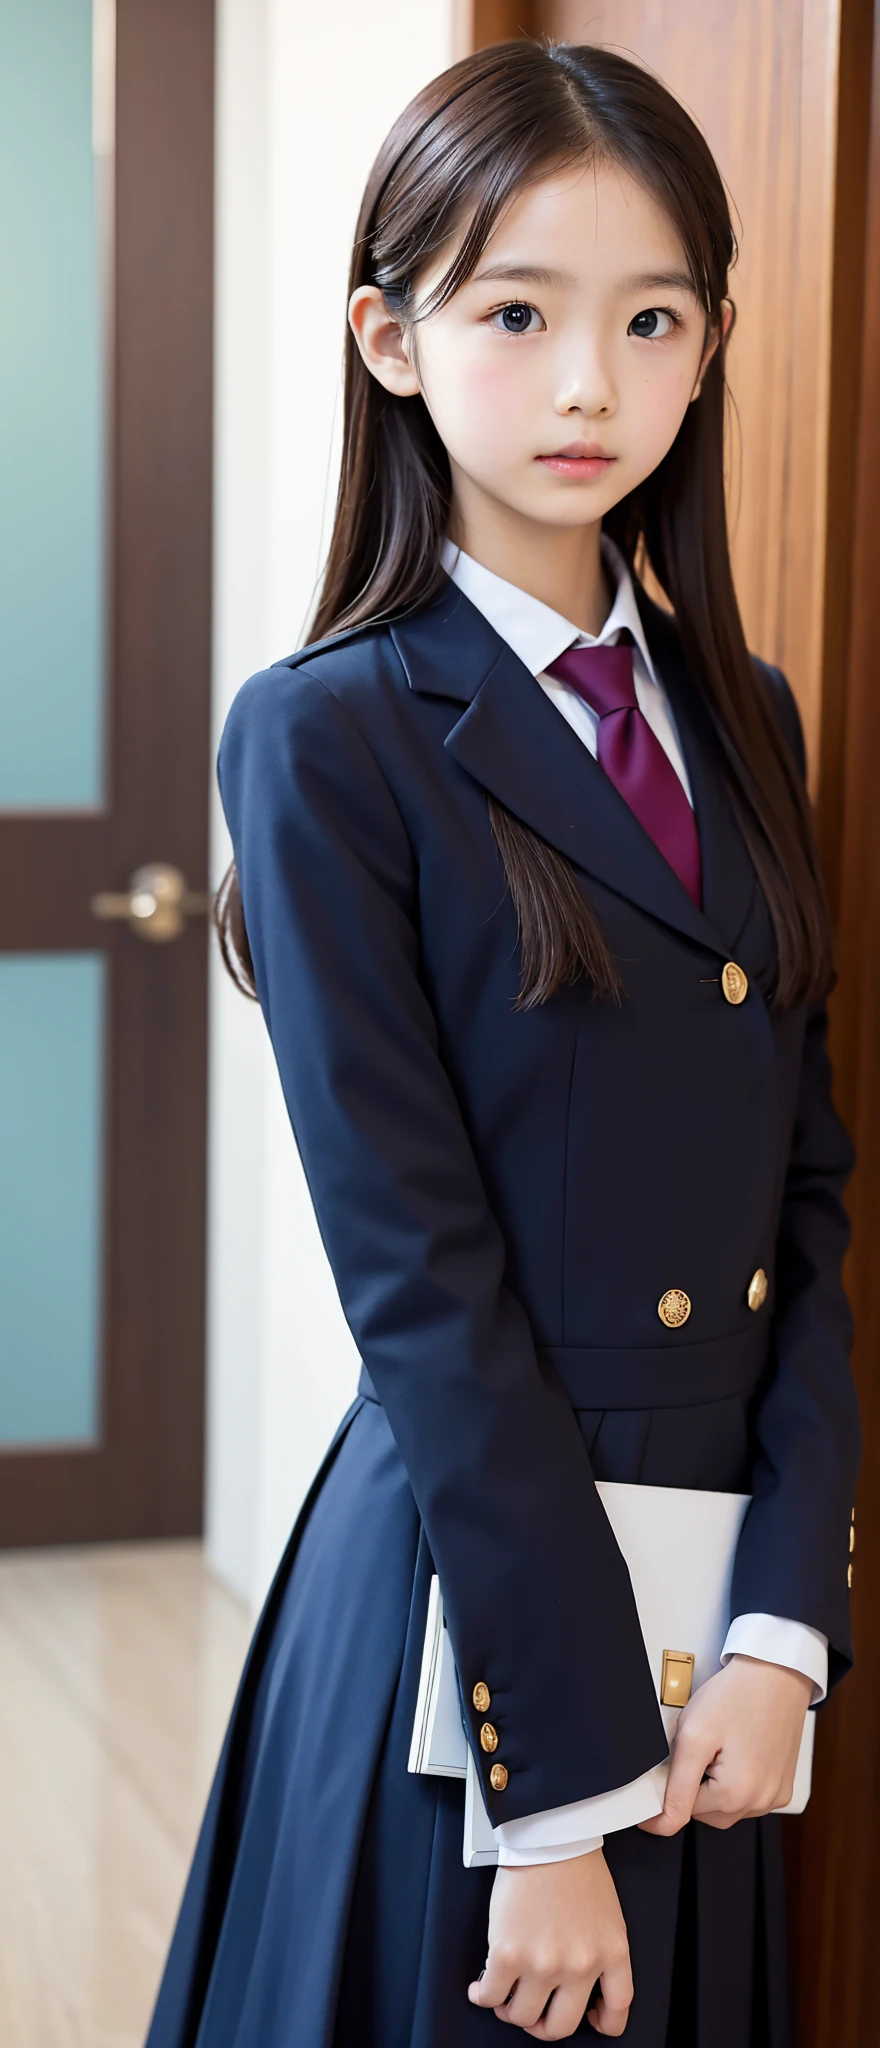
<point x="51" y="411"/>
<point x="51" y="1064"/>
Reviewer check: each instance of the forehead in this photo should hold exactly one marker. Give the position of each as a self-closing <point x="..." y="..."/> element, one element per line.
<point x="586" y="218"/>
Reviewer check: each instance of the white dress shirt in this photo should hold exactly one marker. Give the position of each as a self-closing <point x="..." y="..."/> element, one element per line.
<point x="538" y="636"/>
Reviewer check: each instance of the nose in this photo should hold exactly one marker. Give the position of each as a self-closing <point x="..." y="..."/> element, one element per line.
<point x="584" y="383"/>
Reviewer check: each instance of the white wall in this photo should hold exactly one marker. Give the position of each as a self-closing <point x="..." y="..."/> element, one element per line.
<point x="304" y="97"/>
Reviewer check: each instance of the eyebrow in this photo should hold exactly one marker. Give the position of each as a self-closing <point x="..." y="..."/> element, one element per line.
<point x="659" y="280"/>
<point x="530" y="273"/>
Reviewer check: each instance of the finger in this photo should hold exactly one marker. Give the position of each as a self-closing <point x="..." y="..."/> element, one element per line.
<point x="496" y="1981"/>
<point x="527" y="2005"/>
<point x="615" y="1997"/>
<point x="732" y="1801"/>
<point x="689" y="1761"/>
<point x="726" y="1816"/>
<point x="722" y="1803"/>
<point x="563" y="2016"/>
<point x="719" y="1799"/>
<point x="608" y="2019"/>
<point x="718" y="1805"/>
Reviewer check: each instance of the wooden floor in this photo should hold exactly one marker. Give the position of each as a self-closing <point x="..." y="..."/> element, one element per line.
<point x="117" y="1670"/>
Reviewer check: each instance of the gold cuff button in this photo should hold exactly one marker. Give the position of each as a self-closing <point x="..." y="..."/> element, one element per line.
<point x="481" y="1696"/>
<point x="852" y="1539"/>
<point x="498" y="1778"/>
<point x="734" y="982"/>
<point x="489" y="1737"/>
<point x="758" y="1285"/>
<point x="673" y="1308"/>
<point x="849" y="1575"/>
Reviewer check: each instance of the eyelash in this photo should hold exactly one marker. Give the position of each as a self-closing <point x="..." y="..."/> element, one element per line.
<point x="510" y="304"/>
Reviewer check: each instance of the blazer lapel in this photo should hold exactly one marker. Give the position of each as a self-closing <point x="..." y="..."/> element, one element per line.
<point x="514" y="742"/>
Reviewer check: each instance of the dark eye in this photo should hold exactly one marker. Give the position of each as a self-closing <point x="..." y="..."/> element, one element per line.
<point x="517" y="318"/>
<point x="645" y="325"/>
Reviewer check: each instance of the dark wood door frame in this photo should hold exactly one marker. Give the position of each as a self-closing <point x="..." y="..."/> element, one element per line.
<point x="144" y="1477"/>
<point x="836" y="1861"/>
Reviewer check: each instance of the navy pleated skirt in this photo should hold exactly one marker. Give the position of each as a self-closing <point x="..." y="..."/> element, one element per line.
<point x="328" y="1905"/>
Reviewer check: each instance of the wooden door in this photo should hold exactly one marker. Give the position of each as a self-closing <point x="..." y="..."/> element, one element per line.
<point x="783" y="90"/>
<point x="105" y="433"/>
<point x="837" y="1901"/>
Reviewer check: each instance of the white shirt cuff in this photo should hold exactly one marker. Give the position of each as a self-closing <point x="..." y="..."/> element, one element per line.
<point x="563" y="1831"/>
<point x="555" y="1852"/>
<point x="776" y="1641"/>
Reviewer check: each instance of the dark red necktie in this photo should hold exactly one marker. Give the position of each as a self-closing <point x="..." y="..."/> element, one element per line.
<point x="631" y="754"/>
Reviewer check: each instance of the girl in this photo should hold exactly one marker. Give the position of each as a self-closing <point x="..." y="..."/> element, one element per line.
<point x="526" y="885"/>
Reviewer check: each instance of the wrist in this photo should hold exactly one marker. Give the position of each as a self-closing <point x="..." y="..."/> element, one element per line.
<point x="540" y="1881"/>
<point x="796" y="1682"/>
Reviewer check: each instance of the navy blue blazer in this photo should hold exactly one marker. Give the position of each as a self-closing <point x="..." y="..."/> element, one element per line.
<point x="504" y="1197"/>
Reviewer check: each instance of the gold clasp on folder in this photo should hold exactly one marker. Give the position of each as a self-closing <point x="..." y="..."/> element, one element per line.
<point x="678" y="1673"/>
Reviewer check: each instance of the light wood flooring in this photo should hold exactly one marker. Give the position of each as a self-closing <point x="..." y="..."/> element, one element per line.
<point x="117" y="1671"/>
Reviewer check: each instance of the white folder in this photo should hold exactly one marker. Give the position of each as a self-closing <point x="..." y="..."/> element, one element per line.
<point x="439" y="1745"/>
<point x="679" y="1544"/>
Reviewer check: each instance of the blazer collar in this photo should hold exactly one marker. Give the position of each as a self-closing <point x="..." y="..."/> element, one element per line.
<point x="512" y="741"/>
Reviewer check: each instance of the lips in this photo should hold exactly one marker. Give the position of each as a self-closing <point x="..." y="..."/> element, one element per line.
<point x="579" y="451"/>
<point x="581" y="459"/>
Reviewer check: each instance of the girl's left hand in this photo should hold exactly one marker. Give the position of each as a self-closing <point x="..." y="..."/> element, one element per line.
<point x="736" y="1746"/>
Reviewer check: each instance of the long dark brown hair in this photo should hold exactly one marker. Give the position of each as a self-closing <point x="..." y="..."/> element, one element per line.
<point x="457" y="156"/>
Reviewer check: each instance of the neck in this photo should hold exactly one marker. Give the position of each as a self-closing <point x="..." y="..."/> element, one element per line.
<point x="561" y="566"/>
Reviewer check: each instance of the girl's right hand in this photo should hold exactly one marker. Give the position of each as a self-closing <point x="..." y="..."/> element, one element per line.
<point x="554" y="1930"/>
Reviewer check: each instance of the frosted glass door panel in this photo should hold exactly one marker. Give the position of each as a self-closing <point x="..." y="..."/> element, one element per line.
<point x="52" y="403"/>
<point x="51" y="1063"/>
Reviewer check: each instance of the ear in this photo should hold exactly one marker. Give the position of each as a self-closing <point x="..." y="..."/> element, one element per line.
<point x="381" y="341"/>
<point x="717" y="335"/>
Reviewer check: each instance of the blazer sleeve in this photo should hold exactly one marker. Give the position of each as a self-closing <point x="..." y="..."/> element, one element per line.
<point x="793" y="1553"/>
<point x="532" y="1577"/>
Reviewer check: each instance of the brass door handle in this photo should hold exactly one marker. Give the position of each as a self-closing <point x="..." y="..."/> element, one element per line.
<point x="156" y="904"/>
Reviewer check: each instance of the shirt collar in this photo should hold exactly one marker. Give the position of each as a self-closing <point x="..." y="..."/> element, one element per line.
<point x="537" y="634"/>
